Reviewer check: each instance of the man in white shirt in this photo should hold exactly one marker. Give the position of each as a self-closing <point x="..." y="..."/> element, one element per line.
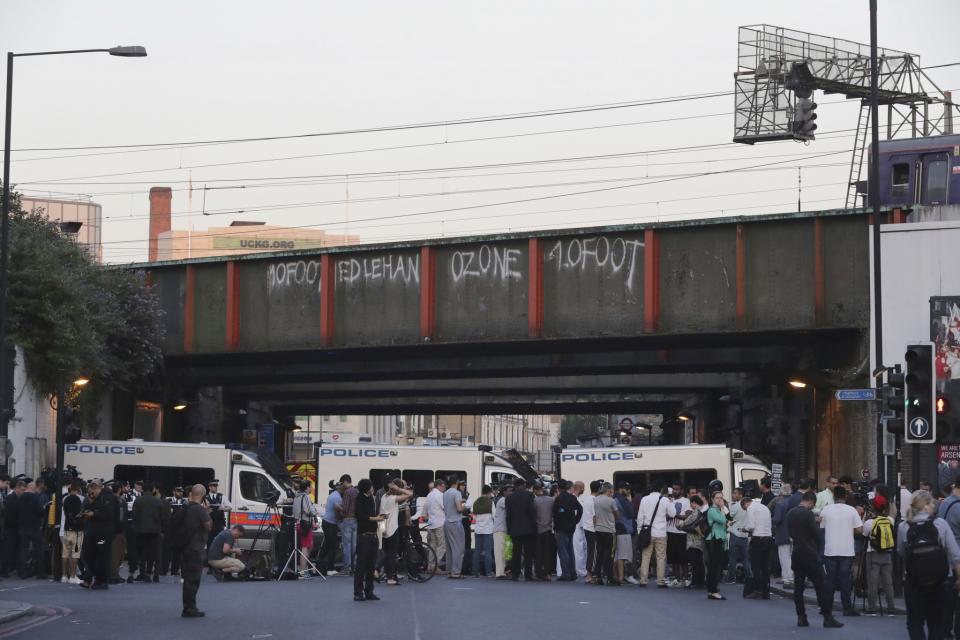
<point x="759" y="527"/>
<point x="589" y="528"/>
<point x="840" y="522"/>
<point x="500" y="532"/>
<point x="676" y="539"/>
<point x="738" y="543"/>
<point x="579" y="538"/>
<point x="436" y="518"/>
<point x="654" y="512"/>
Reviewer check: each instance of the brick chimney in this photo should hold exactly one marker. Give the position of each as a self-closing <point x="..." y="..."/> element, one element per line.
<point x="160" y="198"/>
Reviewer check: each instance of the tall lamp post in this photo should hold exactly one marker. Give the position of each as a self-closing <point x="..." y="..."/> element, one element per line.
<point x="123" y="52"/>
<point x="79" y="383"/>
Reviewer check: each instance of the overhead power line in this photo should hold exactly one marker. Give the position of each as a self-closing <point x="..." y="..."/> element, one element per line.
<point x="522" y="200"/>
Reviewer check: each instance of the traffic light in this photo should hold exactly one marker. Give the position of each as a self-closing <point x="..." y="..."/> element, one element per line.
<point x="894" y="400"/>
<point x="805" y="119"/>
<point x="948" y="412"/>
<point x="920" y="418"/>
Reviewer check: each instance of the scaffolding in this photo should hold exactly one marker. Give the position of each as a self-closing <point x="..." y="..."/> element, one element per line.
<point x="769" y="59"/>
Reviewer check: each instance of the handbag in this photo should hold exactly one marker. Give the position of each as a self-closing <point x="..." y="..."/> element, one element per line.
<point x="645" y="534"/>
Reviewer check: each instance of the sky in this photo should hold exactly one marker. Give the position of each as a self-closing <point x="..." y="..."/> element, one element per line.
<point x="222" y="69"/>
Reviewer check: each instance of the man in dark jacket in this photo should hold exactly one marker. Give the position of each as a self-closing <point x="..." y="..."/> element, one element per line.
<point x="100" y="516"/>
<point x="11" y="525"/>
<point x="32" y="515"/>
<point x="522" y="527"/>
<point x="566" y="514"/>
<point x="149" y="514"/>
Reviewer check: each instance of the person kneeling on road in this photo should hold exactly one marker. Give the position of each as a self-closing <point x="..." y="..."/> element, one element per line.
<point x="222" y="553"/>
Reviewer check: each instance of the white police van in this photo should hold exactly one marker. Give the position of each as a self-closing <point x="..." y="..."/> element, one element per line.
<point x="419" y="466"/>
<point x="251" y="480"/>
<point x="646" y="468"/>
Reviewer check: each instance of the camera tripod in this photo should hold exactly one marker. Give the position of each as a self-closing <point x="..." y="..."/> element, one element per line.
<point x="269" y="517"/>
<point x="295" y="554"/>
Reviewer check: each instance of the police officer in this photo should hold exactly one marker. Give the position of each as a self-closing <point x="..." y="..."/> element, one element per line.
<point x="219" y="507"/>
<point x="129" y="497"/>
<point x="170" y="562"/>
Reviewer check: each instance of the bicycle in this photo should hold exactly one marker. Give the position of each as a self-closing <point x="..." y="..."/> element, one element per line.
<point x="416" y="559"/>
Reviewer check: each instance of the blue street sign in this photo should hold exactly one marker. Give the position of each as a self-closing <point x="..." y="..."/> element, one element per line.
<point x="856" y="394"/>
<point x="919" y="428"/>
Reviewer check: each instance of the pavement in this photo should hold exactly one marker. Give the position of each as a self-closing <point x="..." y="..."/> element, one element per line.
<point x="470" y="609"/>
<point x="811" y="597"/>
<point x="11" y="610"/>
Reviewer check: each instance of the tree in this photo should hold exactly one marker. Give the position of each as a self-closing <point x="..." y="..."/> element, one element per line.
<point x="573" y="426"/>
<point x="72" y="315"/>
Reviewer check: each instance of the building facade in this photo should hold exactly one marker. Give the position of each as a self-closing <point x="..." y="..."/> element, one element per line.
<point x="240" y="237"/>
<point x="88" y="214"/>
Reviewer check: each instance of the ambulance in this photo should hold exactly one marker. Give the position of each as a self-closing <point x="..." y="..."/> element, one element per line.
<point x="647" y="468"/>
<point x="252" y="481"/>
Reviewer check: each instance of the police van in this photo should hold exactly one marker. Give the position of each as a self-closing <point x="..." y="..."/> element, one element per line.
<point x="251" y="480"/>
<point x="646" y="468"/>
<point x="420" y="465"/>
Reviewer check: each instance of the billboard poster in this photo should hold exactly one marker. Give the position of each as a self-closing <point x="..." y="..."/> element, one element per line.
<point x="945" y="335"/>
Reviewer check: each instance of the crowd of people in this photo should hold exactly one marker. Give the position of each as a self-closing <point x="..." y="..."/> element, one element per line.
<point x="671" y="536"/>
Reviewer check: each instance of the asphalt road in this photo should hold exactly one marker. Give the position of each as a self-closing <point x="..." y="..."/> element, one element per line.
<point x="442" y="609"/>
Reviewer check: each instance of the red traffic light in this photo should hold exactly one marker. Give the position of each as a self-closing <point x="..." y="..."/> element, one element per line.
<point x="943" y="406"/>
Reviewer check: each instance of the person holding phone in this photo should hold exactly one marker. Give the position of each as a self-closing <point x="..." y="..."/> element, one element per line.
<point x="367" y="543"/>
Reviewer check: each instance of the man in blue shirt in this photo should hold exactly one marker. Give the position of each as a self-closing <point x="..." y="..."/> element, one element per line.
<point x="331" y="528"/>
<point x="949" y="511"/>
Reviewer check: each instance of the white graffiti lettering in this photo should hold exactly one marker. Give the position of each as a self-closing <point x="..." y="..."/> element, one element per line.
<point x="386" y="268"/>
<point x="488" y="261"/>
<point x="287" y="274"/>
<point x="614" y="256"/>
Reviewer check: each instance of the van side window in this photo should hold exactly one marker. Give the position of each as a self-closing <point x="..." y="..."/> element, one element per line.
<point x="380" y="477"/>
<point x="899" y="179"/>
<point x="420" y="479"/>
<point x="644" y="482"/>
<point x="167" y="477"/>
<point x="445" y="475"/>
<point x="256" y="487"/>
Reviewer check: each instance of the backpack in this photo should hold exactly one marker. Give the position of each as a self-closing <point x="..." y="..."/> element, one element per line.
<point x="881" y="535"/>
<point x="178" y="528"/>
<point x="924" y="557"/>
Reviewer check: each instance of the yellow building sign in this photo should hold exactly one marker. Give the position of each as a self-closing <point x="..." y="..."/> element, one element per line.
<point x="255" y="243"/>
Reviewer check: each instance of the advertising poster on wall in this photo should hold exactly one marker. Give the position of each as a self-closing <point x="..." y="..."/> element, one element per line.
<point x="945" y="335"/>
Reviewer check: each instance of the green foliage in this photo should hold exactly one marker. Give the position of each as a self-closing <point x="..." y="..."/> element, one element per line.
<point x="581" y="425"/>
<point x="73" y="316"/>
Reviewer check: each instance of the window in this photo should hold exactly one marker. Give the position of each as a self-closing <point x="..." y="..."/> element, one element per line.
<point x="380" y="477"/>
<point x="502" y="478"/>
<point x="166" y="477"/>
<point x="644" y="482"/>
<point x="935" y="182"/>
<point x="256" y="487"/>
<point x="752" y="474"/>
<point x="900" y="179"/>
<point x="420" y="479"/>
<point x="445" y="475"/>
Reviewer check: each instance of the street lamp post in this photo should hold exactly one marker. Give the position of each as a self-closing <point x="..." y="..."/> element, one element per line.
<point x="123" y="52"/>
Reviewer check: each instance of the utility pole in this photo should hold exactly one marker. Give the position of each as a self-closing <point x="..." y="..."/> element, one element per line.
<point x="874" y="190"/>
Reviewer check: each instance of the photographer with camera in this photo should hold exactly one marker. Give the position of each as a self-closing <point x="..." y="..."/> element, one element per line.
<point x="304" y="514"/>
<point x="222" y="554"/>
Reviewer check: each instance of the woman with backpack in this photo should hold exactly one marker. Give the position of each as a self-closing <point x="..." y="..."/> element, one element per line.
<point x="929" y="552"/>
<point x="879" y="532"/>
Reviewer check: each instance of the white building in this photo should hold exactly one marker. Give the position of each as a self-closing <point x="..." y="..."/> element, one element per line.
<point x="32" y="431"/>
